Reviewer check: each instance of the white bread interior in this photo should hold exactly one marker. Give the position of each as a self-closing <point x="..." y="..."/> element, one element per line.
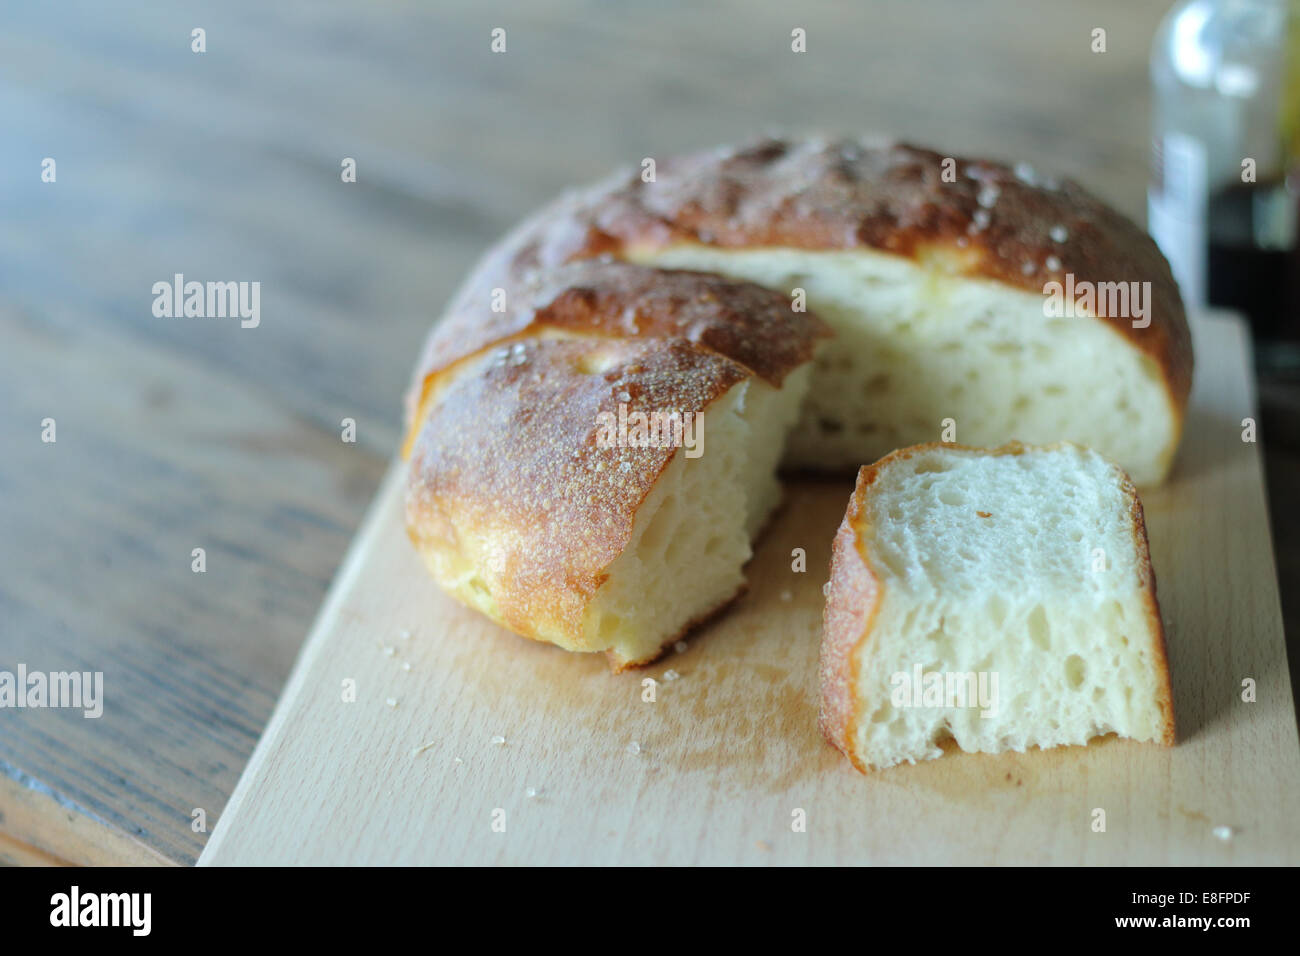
<point x="693" y="532"/>
<point x="1078" y="650"/>
<point x="917" y="343"/>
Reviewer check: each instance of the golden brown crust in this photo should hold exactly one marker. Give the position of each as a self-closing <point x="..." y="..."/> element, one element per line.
<point x="854" y="595"/>
<point x="1147" y="577"/>
<point x="990" y="221"/>
<point x="852" y="599"/>
<point x="746" y="323"/>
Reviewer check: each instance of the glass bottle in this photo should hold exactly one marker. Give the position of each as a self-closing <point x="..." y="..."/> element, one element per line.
<point x="1220" y="204"/>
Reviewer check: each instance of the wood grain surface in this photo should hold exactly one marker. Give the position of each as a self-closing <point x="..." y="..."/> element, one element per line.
<point x="176" y="434"/>
<point x="462" y="725"/>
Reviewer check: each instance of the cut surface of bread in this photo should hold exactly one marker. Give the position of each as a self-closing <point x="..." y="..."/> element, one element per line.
<point x="533" y="497"/>
<point x="917" y="346"/>
<point x="998" y="599"/>
<point x="693" y="532"/>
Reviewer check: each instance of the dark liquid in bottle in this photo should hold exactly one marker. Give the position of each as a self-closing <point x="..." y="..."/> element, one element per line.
<point x="1244" y="274"/>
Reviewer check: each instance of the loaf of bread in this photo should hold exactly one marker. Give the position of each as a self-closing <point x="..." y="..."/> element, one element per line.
<point x="700" y="287"/>
<point x="941" y="277"/>
<point x="997" y="599"/>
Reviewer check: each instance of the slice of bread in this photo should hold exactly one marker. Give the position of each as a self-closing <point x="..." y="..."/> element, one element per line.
<point x="693" y="532"/>
<point x="537" y="496"/>
<point x="999" y="599"/>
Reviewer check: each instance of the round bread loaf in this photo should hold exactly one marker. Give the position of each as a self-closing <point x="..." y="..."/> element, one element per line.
<point x="968" y="300"/>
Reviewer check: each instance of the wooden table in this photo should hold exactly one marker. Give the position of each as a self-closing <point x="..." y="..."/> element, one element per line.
<point x="176" y="434"/>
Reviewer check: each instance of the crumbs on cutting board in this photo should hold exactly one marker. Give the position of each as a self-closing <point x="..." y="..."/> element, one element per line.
<point x="391" y="651"/>
<point x="417" y="751"/>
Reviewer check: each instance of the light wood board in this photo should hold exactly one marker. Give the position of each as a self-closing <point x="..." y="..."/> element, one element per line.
<point x="729" y="751"/>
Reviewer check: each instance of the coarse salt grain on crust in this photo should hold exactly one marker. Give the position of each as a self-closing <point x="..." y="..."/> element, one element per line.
<point x="618" y="300"/>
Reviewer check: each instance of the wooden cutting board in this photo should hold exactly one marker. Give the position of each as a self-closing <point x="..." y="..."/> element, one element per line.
<point x="727" y="760"/>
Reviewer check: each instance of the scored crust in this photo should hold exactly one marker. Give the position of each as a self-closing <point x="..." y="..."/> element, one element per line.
<point x="515" y="506"/>
<point x="854" y="594"/>
<point x="991" y="221"/>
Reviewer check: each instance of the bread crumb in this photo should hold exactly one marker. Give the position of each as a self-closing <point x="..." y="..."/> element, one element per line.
<point x="984" y="514"/>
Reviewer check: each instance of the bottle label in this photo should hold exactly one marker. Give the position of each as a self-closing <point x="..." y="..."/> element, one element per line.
<point x="1177" y="206"/>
